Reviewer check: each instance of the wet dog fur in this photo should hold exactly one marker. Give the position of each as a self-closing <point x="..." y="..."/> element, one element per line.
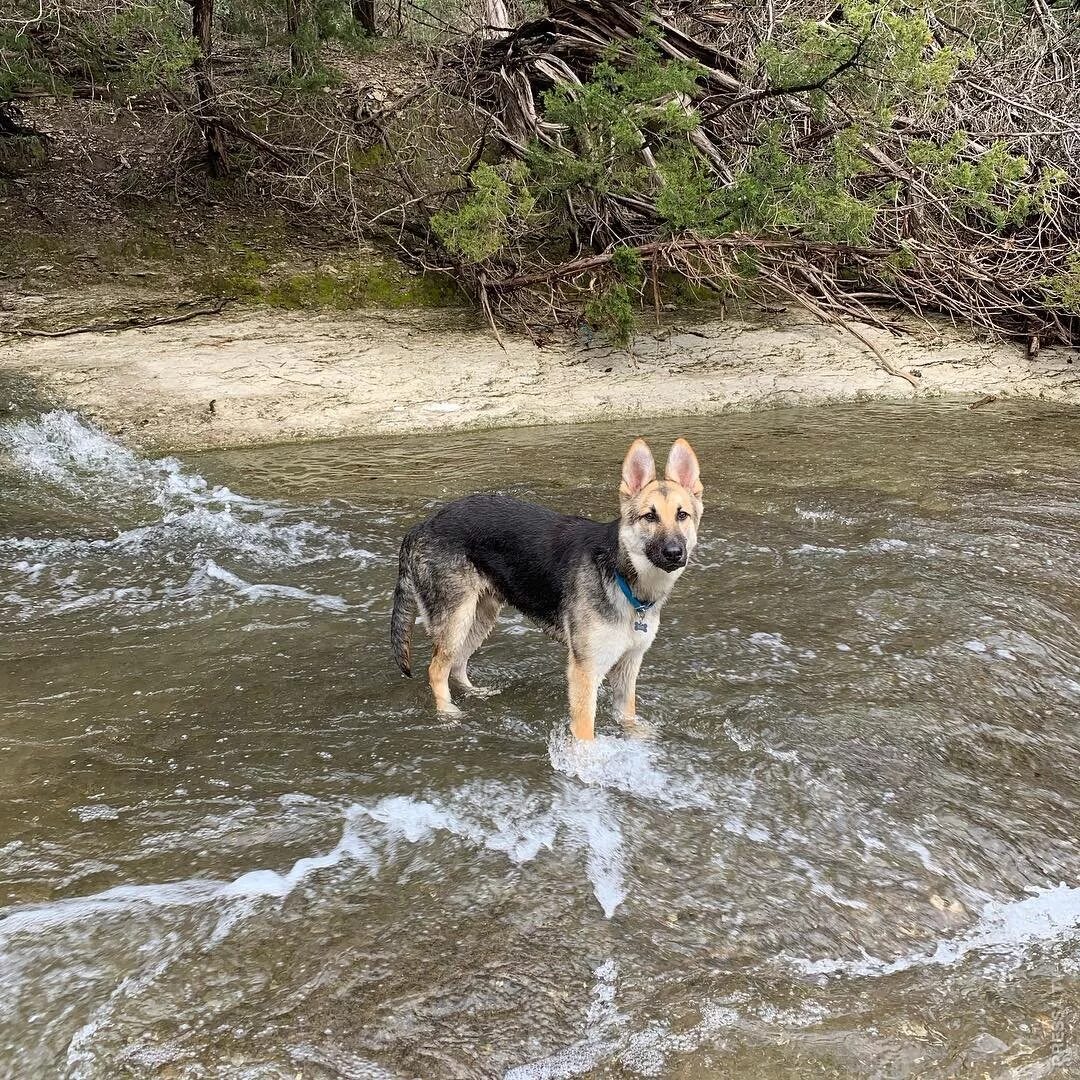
<point x="458" y="568"/>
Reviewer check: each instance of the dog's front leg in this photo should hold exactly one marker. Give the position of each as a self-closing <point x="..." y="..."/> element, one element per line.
<point x="583" y="683"/>
<point x="623" y="679"/>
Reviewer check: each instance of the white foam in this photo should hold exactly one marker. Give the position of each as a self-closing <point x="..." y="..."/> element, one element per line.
<point x="415" y="819"/>
<point x="820" y="886"/>
<point x="264" y="540"/>
<point x="593" y="825"/>
<point x="627" y="765"/>
<point x="234" y="898"/>
<point x="808" y="514"/>
<point x="880" y="545"/>
<point x="258" y="883"/>
<point x="125" y="900"/>
<point x="498" y="818"/>
<point x="608" y="1040"/>
<point x="887" y="543"/>
<point x="61" y="448"/>
<point x="268" y="591"/>
<point x="775" y="642"/>
<point x="100" y="812"/>
<point x="57" y="444"/>
<point x="195" y="522"/>
<point x="816" y="549"/>
<point x="1007" y="928"/>
<point x="601" y="1019"/>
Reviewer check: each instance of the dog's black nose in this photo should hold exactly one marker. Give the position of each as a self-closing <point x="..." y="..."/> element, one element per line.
<point x="674" y="554"/>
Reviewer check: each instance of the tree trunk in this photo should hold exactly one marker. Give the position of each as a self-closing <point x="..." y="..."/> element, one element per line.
<point x="496" y="18"/>
<point x="292" y="29"/>
<point x="364" y="13"/>
<point x="202" y="18"/>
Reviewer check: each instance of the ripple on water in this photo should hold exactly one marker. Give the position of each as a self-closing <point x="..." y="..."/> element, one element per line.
<point x="195" y="525"/>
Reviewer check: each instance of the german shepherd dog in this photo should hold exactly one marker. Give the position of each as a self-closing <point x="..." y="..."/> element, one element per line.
<point x="596" y="587"/>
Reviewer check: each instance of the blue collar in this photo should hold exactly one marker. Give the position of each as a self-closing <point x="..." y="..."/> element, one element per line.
<point x="638" y="605"/>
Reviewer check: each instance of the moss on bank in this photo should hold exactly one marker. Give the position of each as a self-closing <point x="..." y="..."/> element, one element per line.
<point x="339" y="285"/>
<point x="259" y="262"/>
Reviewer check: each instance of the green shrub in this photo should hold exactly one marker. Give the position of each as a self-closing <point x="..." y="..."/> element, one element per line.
<point x="776" y="192"/>
<point x="145" y="48"/>
<point x="688" y="200"/>
<point x="883" y="47"/>
<point x="993" y="183"/>
<point x="615" y="311"/>
<point x="1063" y="289"/>
<point x="500" y="205"/>
<point x="630" y="102"/>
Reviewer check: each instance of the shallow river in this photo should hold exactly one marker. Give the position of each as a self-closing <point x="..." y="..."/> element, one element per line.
<point x="234" y="842"/>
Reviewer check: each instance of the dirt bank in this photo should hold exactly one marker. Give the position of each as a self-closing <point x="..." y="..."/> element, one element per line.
<point x="263" y="376"/>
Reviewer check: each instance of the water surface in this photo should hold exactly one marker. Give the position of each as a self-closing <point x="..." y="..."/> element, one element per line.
<point x="234" y="842"/>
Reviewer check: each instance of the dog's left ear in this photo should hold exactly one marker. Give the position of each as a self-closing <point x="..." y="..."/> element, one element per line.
<point x="683" y="468"/>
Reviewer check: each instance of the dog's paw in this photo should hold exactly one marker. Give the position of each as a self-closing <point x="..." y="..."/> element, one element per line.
<point x="450" y="712"/>
<point x="480" y="691"/>
<point x="636" y="728"/>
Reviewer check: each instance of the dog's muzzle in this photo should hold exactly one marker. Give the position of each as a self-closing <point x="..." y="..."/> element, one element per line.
<point x="672" y="556"/>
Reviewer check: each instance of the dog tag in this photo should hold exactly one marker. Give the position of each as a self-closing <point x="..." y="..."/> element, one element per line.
<point x="642" y="626"/>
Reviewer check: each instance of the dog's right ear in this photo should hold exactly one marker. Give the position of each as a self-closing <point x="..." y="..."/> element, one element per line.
<point x="638" y="469"/>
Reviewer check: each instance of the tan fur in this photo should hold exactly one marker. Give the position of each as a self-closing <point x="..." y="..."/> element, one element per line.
<point x="582" y="683"/>
<point x="485" y="614"/>
<point x="667" y="498"/>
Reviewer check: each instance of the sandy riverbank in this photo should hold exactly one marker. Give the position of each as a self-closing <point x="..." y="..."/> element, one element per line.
<point x="259" y="376"/>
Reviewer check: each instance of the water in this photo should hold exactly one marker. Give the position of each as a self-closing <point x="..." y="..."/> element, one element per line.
<point x="235" y="843"/>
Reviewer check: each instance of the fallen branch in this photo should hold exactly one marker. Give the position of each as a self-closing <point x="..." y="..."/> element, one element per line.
<point x="131" y="323"/>
<point x="734" y="243"/>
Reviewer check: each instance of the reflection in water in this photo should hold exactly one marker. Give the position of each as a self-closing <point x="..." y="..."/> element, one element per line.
<point x="234" y="843"/>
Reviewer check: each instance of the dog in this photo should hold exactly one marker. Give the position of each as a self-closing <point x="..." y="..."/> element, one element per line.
<point x="597" y="587"/>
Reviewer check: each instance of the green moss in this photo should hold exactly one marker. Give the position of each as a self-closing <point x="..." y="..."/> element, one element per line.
<point x="38" y="247"/>
<point x="361" y="285"/>
<point x="387" y="285"/>
<point x="373" y="157"/>
<point x="254" y="261"/>
<point x="309" y="290"/>
<point x="346" y="284"/>
<point x="142" y="247"/>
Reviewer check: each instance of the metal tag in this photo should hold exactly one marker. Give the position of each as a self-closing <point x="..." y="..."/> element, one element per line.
<point x="642" y="626"/>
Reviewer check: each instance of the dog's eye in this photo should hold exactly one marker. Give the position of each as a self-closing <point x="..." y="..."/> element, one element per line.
<point x="652" y="515"/>
<point x="682" y="515"/>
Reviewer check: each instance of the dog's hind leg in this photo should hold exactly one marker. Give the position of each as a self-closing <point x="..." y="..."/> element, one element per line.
<point x="449" y="635"/>
<point x="487" y="611"/>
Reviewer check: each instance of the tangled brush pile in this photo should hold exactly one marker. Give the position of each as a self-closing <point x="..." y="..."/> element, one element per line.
<point x="846" y="156"/>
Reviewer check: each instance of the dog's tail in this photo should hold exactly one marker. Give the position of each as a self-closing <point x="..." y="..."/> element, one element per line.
<point x="403" y="614"/>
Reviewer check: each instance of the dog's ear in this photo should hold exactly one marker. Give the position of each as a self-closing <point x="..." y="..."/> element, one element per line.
<point x="683" y="468"/>
<point x="638" y="469"/>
